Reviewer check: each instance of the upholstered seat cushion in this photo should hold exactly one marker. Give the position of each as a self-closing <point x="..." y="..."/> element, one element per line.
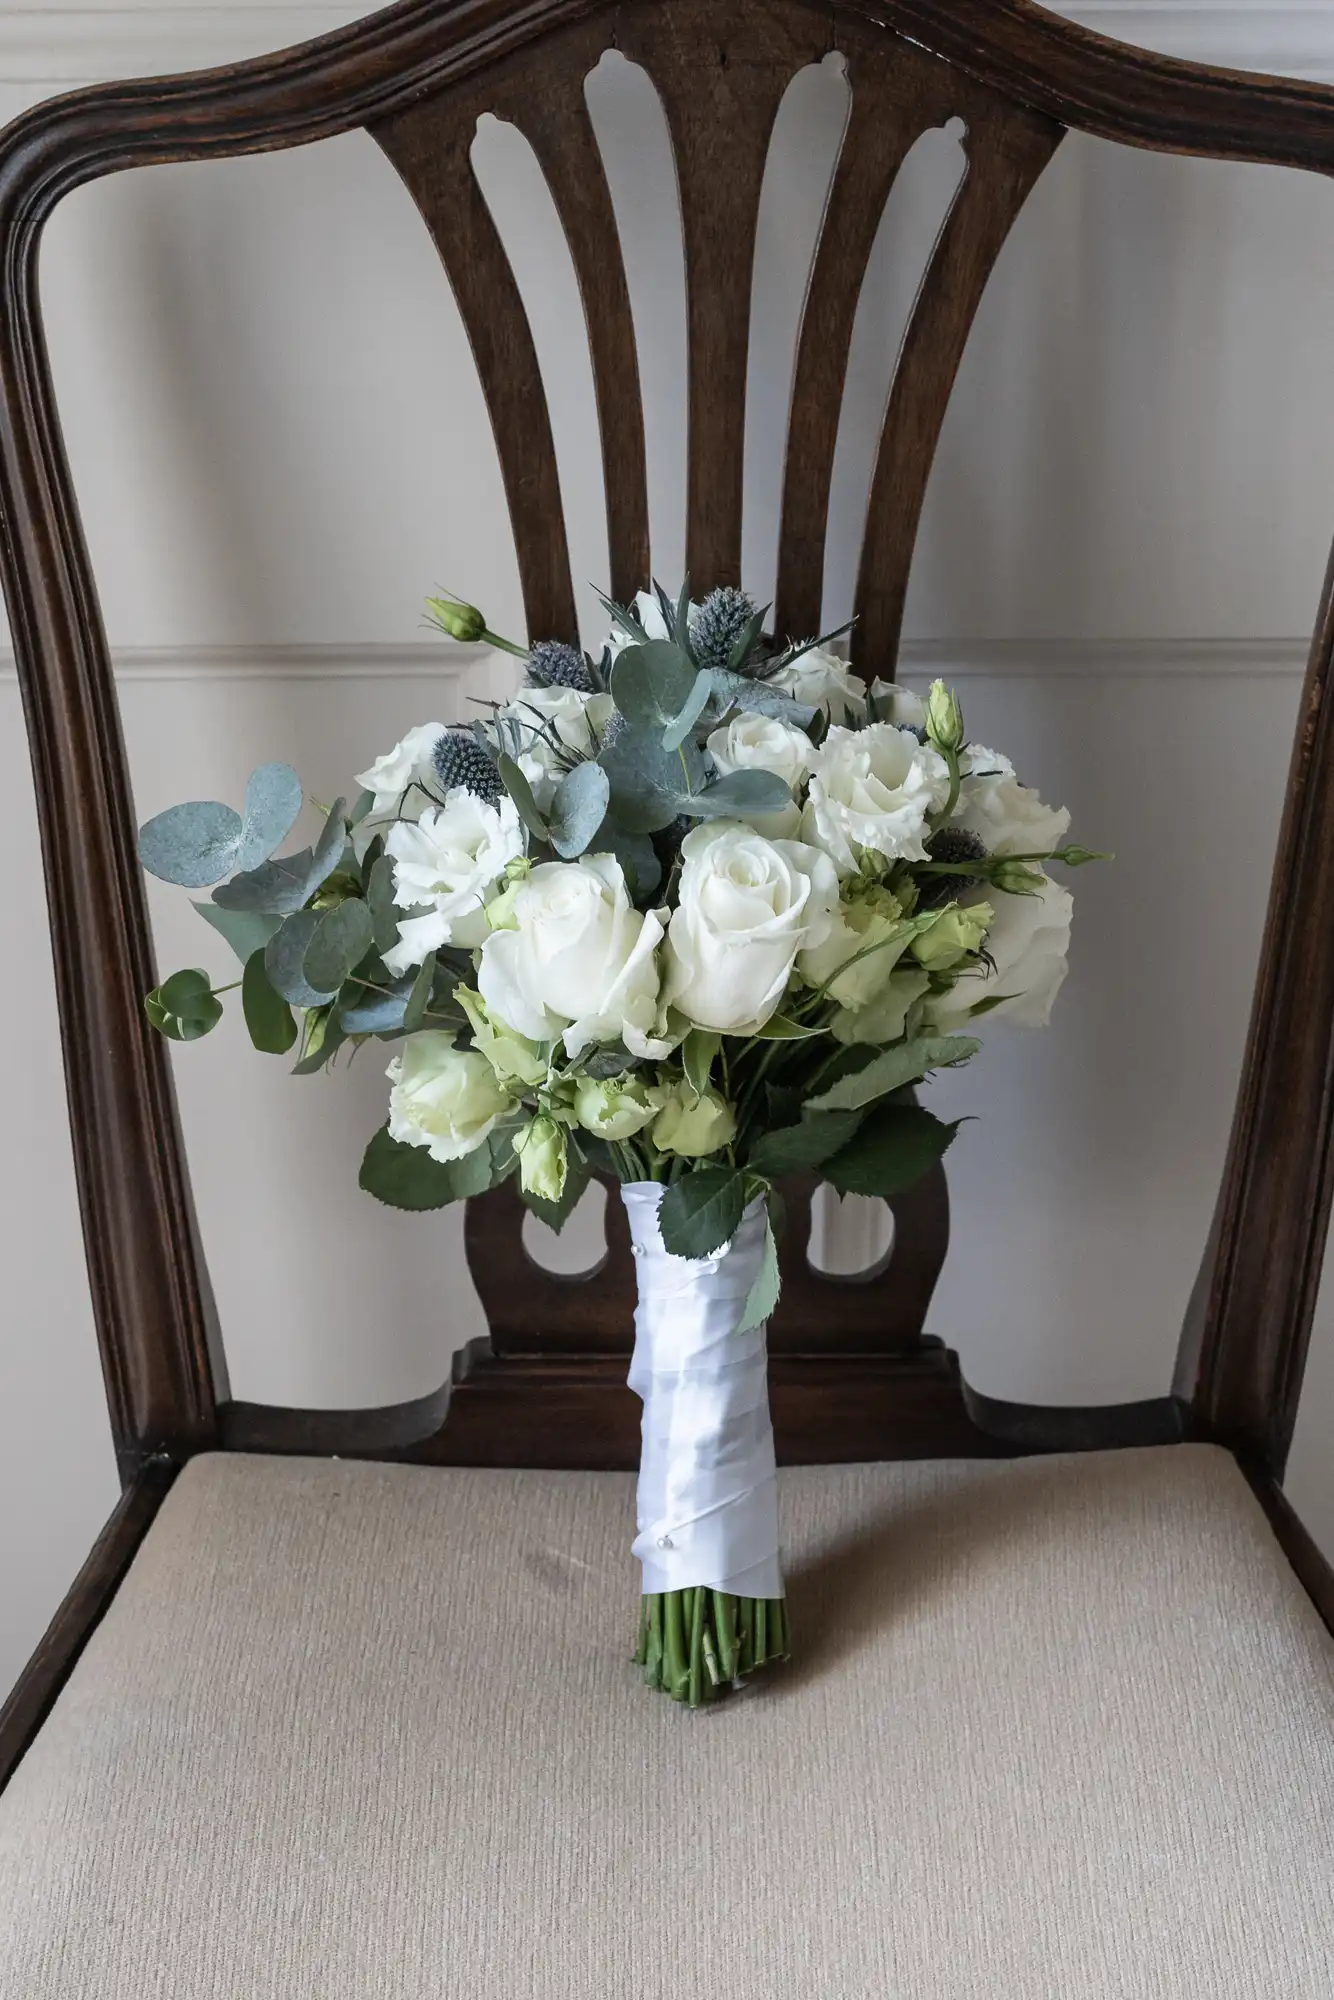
<point x="1058" y="1728"/>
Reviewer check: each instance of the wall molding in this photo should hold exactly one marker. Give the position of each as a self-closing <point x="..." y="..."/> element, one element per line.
<point x="57" y="45"/>
<point x="954" y="659"/>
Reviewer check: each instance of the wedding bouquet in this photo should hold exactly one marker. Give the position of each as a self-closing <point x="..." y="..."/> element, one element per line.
<point x="694" y="915"/>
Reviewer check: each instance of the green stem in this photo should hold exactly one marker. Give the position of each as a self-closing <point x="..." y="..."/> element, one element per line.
<point x="696" y="1646"/>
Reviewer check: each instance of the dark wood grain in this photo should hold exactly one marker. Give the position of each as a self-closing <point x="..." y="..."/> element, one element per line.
<point x="432" y="154"/>
<point x="417" y="75"/>
<point x="1313" y="1572"/>
<point x="1005" y="153"/>
<point x="78" y="1617"/>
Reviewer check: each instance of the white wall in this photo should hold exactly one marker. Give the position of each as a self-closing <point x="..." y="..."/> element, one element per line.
<point x="281" y="447"/>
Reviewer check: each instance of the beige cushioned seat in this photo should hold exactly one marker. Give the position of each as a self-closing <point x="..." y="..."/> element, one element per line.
<point x="1059" y="1728"/>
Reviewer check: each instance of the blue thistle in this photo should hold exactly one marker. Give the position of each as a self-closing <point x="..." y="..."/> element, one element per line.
<point x="717" y="625"/>
<point x="554" y="663"/>
<point x="460" y="760"/>
<point x="951" y="844"/>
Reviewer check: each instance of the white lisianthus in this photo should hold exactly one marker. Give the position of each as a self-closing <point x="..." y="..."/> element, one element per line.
<point x="577" y="960"/>
<point x="445" y="1099"/>
<point x="871" y="790"/>
<point x="870" y="929"/>
<point x="1006" y="816"/>
<point x="746" y="907"/>
<point x="899" y="705"/>
<point x="1027" y="942"/>
<point x="410" y="762"/>
<point x="616" y="1107"/>
<point x="979" y="762"/>
<point x="575" y="720"/>
<point x="885" y="1018"/>
<point x="819" y="679"/>
<point x="755" y="742"/>
<point x="445" y="868"/>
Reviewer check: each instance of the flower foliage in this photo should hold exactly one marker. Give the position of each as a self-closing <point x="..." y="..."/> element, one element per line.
<point x="704" y="904"/>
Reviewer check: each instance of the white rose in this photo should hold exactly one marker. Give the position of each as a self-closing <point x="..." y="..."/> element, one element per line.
<point x="871" y="789"/>
<point x="577" y="960"/>
<point x="447" y="864"/>
<point x="754" y="742"/>
<point x="1027" y="943"/>
<point x="746" y="907"/>
<point x="1007" y="817"/>
<point x="443" y="1098"/>
<point x="899" y="705"/>
<point x="819" y="679"/>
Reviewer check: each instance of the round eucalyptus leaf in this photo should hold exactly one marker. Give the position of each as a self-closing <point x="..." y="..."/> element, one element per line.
<point x="285" y="956"/>
<point x="339" y="941"/>
<point x="272" y="803"/>
<point x="193" y="845"/>
<point x="578" y="809"/>
<point x="267" y="1015"/>
<point x="184" y="1007"/>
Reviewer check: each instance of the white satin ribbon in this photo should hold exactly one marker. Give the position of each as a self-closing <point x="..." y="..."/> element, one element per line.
<point x="707" y="1501"/>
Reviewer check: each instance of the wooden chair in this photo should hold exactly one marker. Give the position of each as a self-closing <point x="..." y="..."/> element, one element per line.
<point x="323" y="1717"/>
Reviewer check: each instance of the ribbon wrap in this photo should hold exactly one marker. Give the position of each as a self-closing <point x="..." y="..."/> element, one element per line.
<point x="707" y="1501"/>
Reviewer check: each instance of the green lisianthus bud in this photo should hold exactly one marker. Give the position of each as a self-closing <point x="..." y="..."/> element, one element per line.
<point x="459" y="621"/>
<point x="692" y="1125"/>
<point x="1017" y="878"/>
<point x="541" y="1148"/>
<point x="512" y="1057"/>
<point x="944" y="718"/>
<point x="616" y="1107"/>
<point x="958" y="930"/>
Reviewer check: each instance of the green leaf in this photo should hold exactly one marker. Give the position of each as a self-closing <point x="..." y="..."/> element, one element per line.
<point x="800" y="1148"/>
<point x="184" y="1007"/>
<point x="740" y="691"/>
<point x="285" y="957"/>
<point x="521" y="792"/>
<point x="895" y="1146"/>
<point x="324" y="1036"/>
<point x="246" y="931"/>
<point x="197" y="844"/>
<point x="361" y="805"/>
<point x="698" y="1053"/>
<point x="905" y="1062"/>
<point x="406" y="1176"/>
<point x="651" y="684"/>
<point x="339" y="942"/>
<point x="649" y="785"/>
<point x="557" y="1213"/>
<point x="612" y="1059"/>
<point x="763" y="1294"/>
<point x="744" y="643"/>
<point x="361" y="1011"/>
<point x="779" y="1029"/>
<point x="267" y="1015"/>
<point x="419" y="999"/>
<point x="578" y="809"/>
<point x="739" y="793"/>
<point x="702" y="1212"/>
<point x="693" y="707"/>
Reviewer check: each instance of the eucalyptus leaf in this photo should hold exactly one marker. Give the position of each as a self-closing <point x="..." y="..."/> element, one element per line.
<point x="521" y="792"/>
<point x="650" y="786"/>
<point x="285" y="957"/>
<point x="738" y="794"/>
<point x="694" y="706"/>
<point x="384" y="911"/>
<point x="904" y="1063"/>
<point x="419" y="999"/>
<point x="324" y="1035"/>
<point x="895" y="1146"/>
<point x="578" y="809"/>
<point x="744" y="643"/>
<point x="339" y="942"/>
<point x="267" y="1015"/>
<point x="184" y="1007"/>
<point x="651" y="684"/>
<point x="702" y="1212"/>
<point x="198" y="843"/>
<point x="635" y="852"/>
<point x="739" y="690"/>
<point x="612" y="1059"/>
<point x="800" y="1148"/>
<point x="246" y="931"/>
<point x="361" y="1011"/>
<point x="280" y="888"/>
